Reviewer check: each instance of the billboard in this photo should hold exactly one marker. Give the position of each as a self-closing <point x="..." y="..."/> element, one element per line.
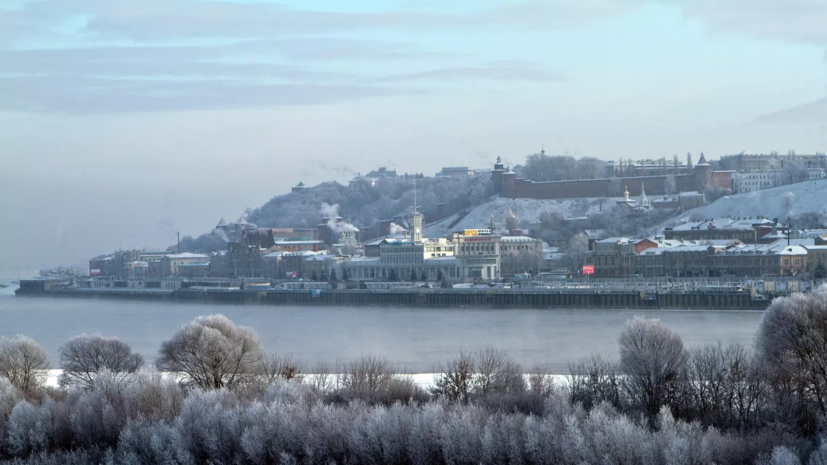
<point x="292" y="274"/>
<point x="94" y="272"/>
<point x="476" y="232"/>
<point x="588" y="269"/>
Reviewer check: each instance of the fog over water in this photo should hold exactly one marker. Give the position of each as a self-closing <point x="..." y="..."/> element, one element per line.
<point x="416" y="339"/>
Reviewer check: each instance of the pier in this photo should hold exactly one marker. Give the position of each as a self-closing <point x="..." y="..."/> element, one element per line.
<point x="429" y="297"/>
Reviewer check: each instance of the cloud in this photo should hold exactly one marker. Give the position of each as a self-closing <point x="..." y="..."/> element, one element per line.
<point x="497" y="72"/>
<point x="137" y="62"/>
<point x="813" y="113"/>
<point x="97" y="95"/>
<point x="788" y="20"/>
<point x="164" y="20"/>
<point x="255" y="55"/>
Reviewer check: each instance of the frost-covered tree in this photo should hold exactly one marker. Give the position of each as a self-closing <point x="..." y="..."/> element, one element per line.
<point x="83" y="356"/>
<point x="476" y="375"/>
<point x="275" y="367"/>
<point x="497" y="372"/>
<point x="23" y="362"/>
<point x="792" y="343"/>
<point x="366" y="376"/>
<point x="576" y="249"/>
<point x="652" y="358"/>
<point x="212" y="352"/>
<point x="456" y="380"/>
<point x="594" y="380"/>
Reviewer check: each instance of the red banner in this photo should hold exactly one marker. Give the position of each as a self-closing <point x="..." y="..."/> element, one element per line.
<point x="588" y="269"/>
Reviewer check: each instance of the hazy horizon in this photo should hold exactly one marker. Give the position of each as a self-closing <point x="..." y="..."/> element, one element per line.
<point x="126" y="122"/>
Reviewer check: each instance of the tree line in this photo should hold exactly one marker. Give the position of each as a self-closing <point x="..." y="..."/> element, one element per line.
<point x="214" y="396"/>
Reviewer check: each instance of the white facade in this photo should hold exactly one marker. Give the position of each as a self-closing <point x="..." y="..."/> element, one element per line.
<point x="750" y="181"/>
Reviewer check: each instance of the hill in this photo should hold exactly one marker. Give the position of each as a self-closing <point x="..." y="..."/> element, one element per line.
<point x="527" y="211"/>
<point x="807" y="209"/>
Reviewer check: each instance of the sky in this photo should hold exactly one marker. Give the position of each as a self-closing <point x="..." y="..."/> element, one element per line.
<point x="124" y="122"/>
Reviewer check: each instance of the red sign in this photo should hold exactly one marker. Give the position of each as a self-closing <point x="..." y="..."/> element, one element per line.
<point x="94" y="272"/>
<point x="588" y="269"/>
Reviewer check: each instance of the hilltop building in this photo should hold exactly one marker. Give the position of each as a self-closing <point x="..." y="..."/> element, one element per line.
<point x="751" y="181"/>
<point x="451" y="171"/>
<point x="772" y="161"/>
<point x="506" y="183"/>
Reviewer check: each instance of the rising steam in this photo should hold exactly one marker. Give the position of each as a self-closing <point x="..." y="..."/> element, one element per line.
<point x="334" y="222"/>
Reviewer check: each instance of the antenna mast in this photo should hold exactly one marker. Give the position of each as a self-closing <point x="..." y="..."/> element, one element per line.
<point x="414" y="194"/>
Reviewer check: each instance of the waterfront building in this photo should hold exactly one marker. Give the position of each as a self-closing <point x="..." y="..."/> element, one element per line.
<point x="171" y="263"/>
<point x="747" y="230"/>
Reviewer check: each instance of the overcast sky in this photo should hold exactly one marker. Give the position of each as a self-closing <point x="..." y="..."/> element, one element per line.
<point x="122" y="122"/>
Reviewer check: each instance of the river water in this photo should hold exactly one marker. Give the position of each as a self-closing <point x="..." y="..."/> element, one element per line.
<point x="417" y="340"/>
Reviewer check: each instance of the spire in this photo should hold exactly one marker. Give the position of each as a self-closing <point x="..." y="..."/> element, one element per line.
<point x="543" y="149"/>
<point x="644" y="202"/>
<point x="702" y="160"/>
<point x="626" y="193"/>
<point x="417" y="221"/>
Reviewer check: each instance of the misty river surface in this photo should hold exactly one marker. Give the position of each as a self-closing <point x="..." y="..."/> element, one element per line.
<point x="417" y="340"/>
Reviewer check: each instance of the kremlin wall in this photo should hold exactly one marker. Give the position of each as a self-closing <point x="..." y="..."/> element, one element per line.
<point x="507" y="184"/>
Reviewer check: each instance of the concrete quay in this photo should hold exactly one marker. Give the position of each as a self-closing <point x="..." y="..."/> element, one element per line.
<point x="418" y="297"/>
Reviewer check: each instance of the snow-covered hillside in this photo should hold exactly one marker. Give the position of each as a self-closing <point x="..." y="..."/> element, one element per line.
<point x="524" y="209"/>
<point x="810" y="196"/>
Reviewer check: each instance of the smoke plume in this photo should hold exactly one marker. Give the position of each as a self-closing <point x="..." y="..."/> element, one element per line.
<point x="396" y="230"/>
<point x="334" y="222"/>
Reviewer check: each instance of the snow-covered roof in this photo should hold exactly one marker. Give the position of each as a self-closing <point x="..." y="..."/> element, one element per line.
<point x="441" y="259"/>
<point x="362" y="261"/>
<point x="794" y="250"/>
<point x="194" y="264"/>
<point x="517" y="239"/>
<point x="615" y="240"/>
<point x="724" y="223"/>
<point x="595" y="233"/>
<point x="178" y="256"/>
<point x="375" y="241"/>
<point x="298" y="242"/>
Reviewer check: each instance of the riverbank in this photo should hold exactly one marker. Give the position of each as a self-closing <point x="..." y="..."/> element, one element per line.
<point x="419" y="297"/>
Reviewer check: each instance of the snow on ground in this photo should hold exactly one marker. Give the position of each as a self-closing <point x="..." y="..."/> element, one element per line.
<point x="524" y="209"/>
<point x="810" y="196"/>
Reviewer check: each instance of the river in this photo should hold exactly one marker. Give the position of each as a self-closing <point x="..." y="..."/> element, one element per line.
<point x="417" y="340"/>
